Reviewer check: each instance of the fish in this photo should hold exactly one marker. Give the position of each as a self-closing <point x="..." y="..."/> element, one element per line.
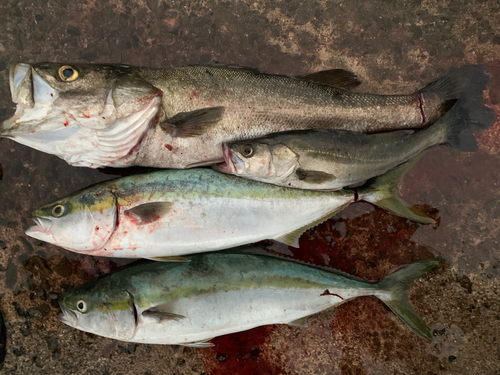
<point x="216" y="294"/>
<point x="120" y="116"/>
<point x="333" y="159"/>
<point x="171" y="213"/>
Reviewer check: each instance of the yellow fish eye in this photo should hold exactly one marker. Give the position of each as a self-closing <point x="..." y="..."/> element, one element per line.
<point x="81" y="306"/>
<point x="58" y="210"/>
<point x="67" y="73"/>
<point x="247" y="151"/>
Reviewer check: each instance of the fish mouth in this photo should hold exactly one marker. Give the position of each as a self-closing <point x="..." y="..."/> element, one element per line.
<point x="67" y="316"/>
<point x="41" y="230"/>
<point x="32" y="95"/>
<point x="232" y="164"/>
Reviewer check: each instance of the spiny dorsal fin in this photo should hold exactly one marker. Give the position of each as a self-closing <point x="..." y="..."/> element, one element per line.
<point x="292" y="238"/>
<point x="195" y="123"/>
<point x="333" y="77"/>
<point x="149" y="212"/>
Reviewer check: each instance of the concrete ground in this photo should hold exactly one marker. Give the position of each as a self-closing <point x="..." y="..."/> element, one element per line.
<point x="394" y="47"/>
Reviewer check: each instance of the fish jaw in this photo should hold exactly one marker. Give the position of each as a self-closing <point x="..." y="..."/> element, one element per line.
<point x="68" y="124"/>
<point x="227" y="166"/>
<point x="41" y="230"/>
<point x="33" y="96"/>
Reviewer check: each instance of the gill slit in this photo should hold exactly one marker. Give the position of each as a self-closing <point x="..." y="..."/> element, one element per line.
<point x="134" y="311"/>
<point x="422" y="107"/>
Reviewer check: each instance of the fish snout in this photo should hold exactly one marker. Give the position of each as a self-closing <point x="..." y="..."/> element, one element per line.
<point x="21" y="87"/>
<point x="227" y="165"/>
<point x="41" y="229"/>
<point x="67" y="316"/>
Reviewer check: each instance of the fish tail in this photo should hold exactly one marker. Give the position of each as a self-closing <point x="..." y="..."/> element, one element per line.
<point x="460" y="95"/>
<point x="398" y="284"/>
<point x="381" y="191"/>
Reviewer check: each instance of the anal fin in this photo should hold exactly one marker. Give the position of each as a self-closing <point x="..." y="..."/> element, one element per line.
<point x="292" y="238"/>
<point x="170" y="259"/>
<point x="200" y="344"/>
<point x="301" y="322"/>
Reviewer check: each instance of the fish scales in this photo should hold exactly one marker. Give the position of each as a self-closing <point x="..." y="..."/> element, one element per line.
<point x="216" y="294"/>
<point x="114" y="115"/>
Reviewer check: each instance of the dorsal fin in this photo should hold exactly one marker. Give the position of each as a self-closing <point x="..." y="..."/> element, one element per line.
<point x="333" y="77"/>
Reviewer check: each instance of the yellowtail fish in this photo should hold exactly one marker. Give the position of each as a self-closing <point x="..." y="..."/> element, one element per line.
<point x="176" y="212"/>
<point x="219" y="293"/>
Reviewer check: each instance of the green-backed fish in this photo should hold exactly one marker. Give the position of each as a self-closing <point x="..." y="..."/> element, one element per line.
<point x="333" y="159"/>
<point x="176" y="212"/>
<point x="119" y="116"/>
<point x="219" y="293"/>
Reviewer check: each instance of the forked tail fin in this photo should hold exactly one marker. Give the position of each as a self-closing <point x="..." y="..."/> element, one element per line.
<point x="462" y="89"/>
<point x="381" y="191"/>
<point x="397" y="284"/>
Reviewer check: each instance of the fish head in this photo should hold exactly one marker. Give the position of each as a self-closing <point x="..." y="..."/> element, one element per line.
<point x="101" y="308"/>
<point x="88" y="115"/>
<point x="82" y="222"/>
<point x="261" y="160"/>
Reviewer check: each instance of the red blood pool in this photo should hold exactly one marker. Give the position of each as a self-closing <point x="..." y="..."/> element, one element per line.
<point x="169" y="147"/>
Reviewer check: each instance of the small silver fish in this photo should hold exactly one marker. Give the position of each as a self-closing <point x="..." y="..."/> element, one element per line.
<point x="220" y="293"/>
<point x="334" y="159"/>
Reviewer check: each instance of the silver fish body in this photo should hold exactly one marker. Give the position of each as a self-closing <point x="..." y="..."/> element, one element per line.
<point x="215" y="294"/>
<point x="115" y="115"/>
<point x="334" y="159"/>
<point x="178" y="212"/>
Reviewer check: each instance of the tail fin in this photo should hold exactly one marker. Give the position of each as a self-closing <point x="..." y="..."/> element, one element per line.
<point x="462" y="91"/>
<point x="381" y="191"/>
<point x="397" y="284"/>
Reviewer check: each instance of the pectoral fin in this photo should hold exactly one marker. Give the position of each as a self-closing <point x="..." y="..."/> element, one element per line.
<point x="159" y="312"/>
<point x="333" y="77"/>
<point x="149" y="212"/>
<point x="170" y="259"/>
<point x="195" y="123"/>
<point x="292" y="238"/>
<point x="314" y="177"/>
<point x="200" y="344"/>
<point x="298" y="322"/>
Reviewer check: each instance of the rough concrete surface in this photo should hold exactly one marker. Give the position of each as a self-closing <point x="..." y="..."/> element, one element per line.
<point x="394" y="47"/>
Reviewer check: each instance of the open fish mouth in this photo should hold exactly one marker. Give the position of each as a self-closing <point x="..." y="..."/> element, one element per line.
<point x="232" y="164"/>
<point x="67" y="316"/>
<point x="41" y="230"/>
<point x="32" y="94"/>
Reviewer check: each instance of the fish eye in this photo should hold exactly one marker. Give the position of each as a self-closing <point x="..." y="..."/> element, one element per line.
<point x="81" y="306"/>
<point x="67" y="73"/>
<point x="58" y="210"/>
<point x="247" y="151"/>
